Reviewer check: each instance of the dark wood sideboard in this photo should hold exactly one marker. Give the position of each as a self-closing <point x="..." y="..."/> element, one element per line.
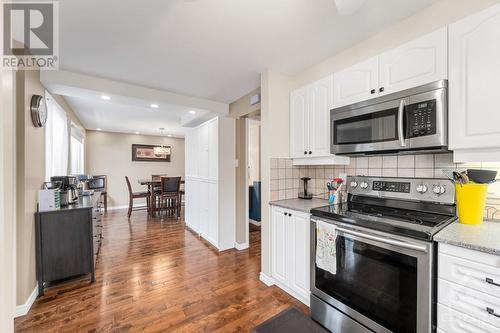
<point x="68" y="241"/>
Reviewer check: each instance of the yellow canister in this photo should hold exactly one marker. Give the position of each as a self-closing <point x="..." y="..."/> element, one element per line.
<point x="471" y="202"/>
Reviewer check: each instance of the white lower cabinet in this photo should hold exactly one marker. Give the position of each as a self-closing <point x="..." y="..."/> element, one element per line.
<point x="468" y="291"/>
<point x="290" y="252"/>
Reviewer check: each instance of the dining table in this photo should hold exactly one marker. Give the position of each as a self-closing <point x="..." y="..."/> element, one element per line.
<point x="151" y="183"/>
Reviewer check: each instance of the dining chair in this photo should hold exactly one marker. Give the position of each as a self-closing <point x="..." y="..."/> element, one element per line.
<point x="100" y="183"/>
<point x="157" y="188"/>
<point x="170" y="194"/>
<point x="136" y="195"/>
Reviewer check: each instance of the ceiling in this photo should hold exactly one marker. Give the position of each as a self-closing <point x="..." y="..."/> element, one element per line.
<point x="96" y="114"/>
<point x="211" y="49"/>
<point x="215" y="49"/>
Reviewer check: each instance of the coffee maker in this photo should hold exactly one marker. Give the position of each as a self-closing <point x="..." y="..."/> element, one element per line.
<point x="305" y="194"/>
<point x="68" y="187"/>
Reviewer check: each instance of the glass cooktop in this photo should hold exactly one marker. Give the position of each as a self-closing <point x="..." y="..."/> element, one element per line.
<point x="411" y="223"/>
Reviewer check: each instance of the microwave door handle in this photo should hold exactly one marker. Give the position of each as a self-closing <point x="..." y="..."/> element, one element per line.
<point x="384" y="240"/>
<point x="401" y="135"/>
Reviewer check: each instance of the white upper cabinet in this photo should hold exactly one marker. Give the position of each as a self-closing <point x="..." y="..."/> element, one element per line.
<point x="474" y="103"/>
<point x="321" y="102"/>
<point x="310" y="124"/>
<point x="299" y="123"/>
<point x="356" y="83"/>
<point x="413" y="64"/>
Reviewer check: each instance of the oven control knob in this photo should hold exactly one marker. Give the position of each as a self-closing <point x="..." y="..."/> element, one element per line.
<point x="438" y="189"/>
<point x="354" y="184"/>
<point x="422" y="188"/>
<point x="364" y="185"/>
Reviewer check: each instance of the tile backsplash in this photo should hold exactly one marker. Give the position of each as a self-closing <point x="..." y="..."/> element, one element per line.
<point x="286" y="183"/>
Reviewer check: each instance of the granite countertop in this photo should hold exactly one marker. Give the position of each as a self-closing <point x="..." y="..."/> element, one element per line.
<point x="484" y="237"/>
<point x="301" y="205"/>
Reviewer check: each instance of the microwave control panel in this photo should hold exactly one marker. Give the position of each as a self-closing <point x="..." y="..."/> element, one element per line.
<point x="421" y="119"/>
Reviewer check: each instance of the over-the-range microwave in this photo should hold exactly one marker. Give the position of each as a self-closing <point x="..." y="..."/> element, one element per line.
<point x="407" y="121"/>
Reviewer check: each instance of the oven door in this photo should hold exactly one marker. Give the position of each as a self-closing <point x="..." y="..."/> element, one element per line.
<point x="369" y="129"/>
<point x="381" y="281"/>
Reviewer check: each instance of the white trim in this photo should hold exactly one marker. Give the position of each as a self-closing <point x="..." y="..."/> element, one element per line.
<point x="293" y="293"/>
<point x="240" y="246"/>
<point x="23" y="309"/>
<point x="247" y="199"/>
<point x="257" y="223"/>
<point x="268" y="281"/>
<point x="125" y="207"/>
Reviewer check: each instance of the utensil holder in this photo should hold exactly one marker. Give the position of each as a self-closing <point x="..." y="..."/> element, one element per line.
<point x="471" y="202"/>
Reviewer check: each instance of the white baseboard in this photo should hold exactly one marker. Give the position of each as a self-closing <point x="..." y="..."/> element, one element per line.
<point x="241" y="246"/>
<point x="268" y="281"/>
<point x="22" y="310"/>
<point x="125" y="207"/>
<point x="257" y="223"/>
<point x="293" y="293"/>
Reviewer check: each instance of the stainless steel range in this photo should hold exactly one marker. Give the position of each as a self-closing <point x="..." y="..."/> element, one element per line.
<point x="380" y="274"/>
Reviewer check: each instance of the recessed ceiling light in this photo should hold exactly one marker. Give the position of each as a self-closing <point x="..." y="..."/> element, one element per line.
<point x="137" y="132"/>
<point x="169" y="135"/>
<point x="192" y="112"/>
<point x="98" y="128"/>
<point x="105" y="97"/>
<point x="155" y="106"/>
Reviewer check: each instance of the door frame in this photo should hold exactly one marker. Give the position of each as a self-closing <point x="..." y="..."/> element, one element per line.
<point x="247" y="199"/>
<point x="7" y="207"/>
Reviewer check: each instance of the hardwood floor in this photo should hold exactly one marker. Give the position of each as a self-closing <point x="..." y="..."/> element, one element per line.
<point x="157" y="276"/>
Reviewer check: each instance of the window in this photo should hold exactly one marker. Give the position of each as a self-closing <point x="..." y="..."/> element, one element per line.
<point x="76" y="150"/>
<point x="56" y="139"/>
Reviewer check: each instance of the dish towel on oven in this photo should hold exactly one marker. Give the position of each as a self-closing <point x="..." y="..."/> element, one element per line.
<point x="326" y="258"/>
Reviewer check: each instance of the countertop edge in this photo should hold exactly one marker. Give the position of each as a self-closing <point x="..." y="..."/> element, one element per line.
<point x="292" y="204"/>
<point x="469" y="246"/>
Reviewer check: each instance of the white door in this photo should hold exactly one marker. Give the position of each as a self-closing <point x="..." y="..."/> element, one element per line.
<point x="299" y="123"/>
<point x="191" y="158"/>
<point x="202" y="147"/>
<point x="299" y="272"/>
<point x="213" y="149"/>
<point x="356" y="83"/>
<point x="203" y="204"/>
<point x="321" y="101"/>
<point x="418" y="62"/>
<point x="280" y="245"/>
<point x="193" y="205"/>
<point x="474" y="61"/>
<point x="212" y="216"/>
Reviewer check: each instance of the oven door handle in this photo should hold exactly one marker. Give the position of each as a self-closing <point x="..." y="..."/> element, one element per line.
<point x="390" y="241"/>
<point x="401" y="135"/>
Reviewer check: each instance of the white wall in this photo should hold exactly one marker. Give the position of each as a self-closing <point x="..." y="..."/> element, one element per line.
<point x="276" y="87"/>
<point x="7" y="203"/>
<point x="111" y="154"/>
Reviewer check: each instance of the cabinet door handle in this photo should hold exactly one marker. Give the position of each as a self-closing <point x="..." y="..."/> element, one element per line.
<point x="492" y="312"/>
<point x="305" y="152"/>
<point x="310" y="152"/>
<point x="284" y="213"/>
<point x="372" y="91"/>
<point x="381" y="89"/>
<point x="289" y="214"/>
<point x="490" y="281"/>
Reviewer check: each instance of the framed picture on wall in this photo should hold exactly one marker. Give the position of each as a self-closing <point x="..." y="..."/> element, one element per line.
<point x="151" y="153"/>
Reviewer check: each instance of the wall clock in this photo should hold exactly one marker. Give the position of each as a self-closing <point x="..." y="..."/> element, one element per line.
<point x="38" y="111"/>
